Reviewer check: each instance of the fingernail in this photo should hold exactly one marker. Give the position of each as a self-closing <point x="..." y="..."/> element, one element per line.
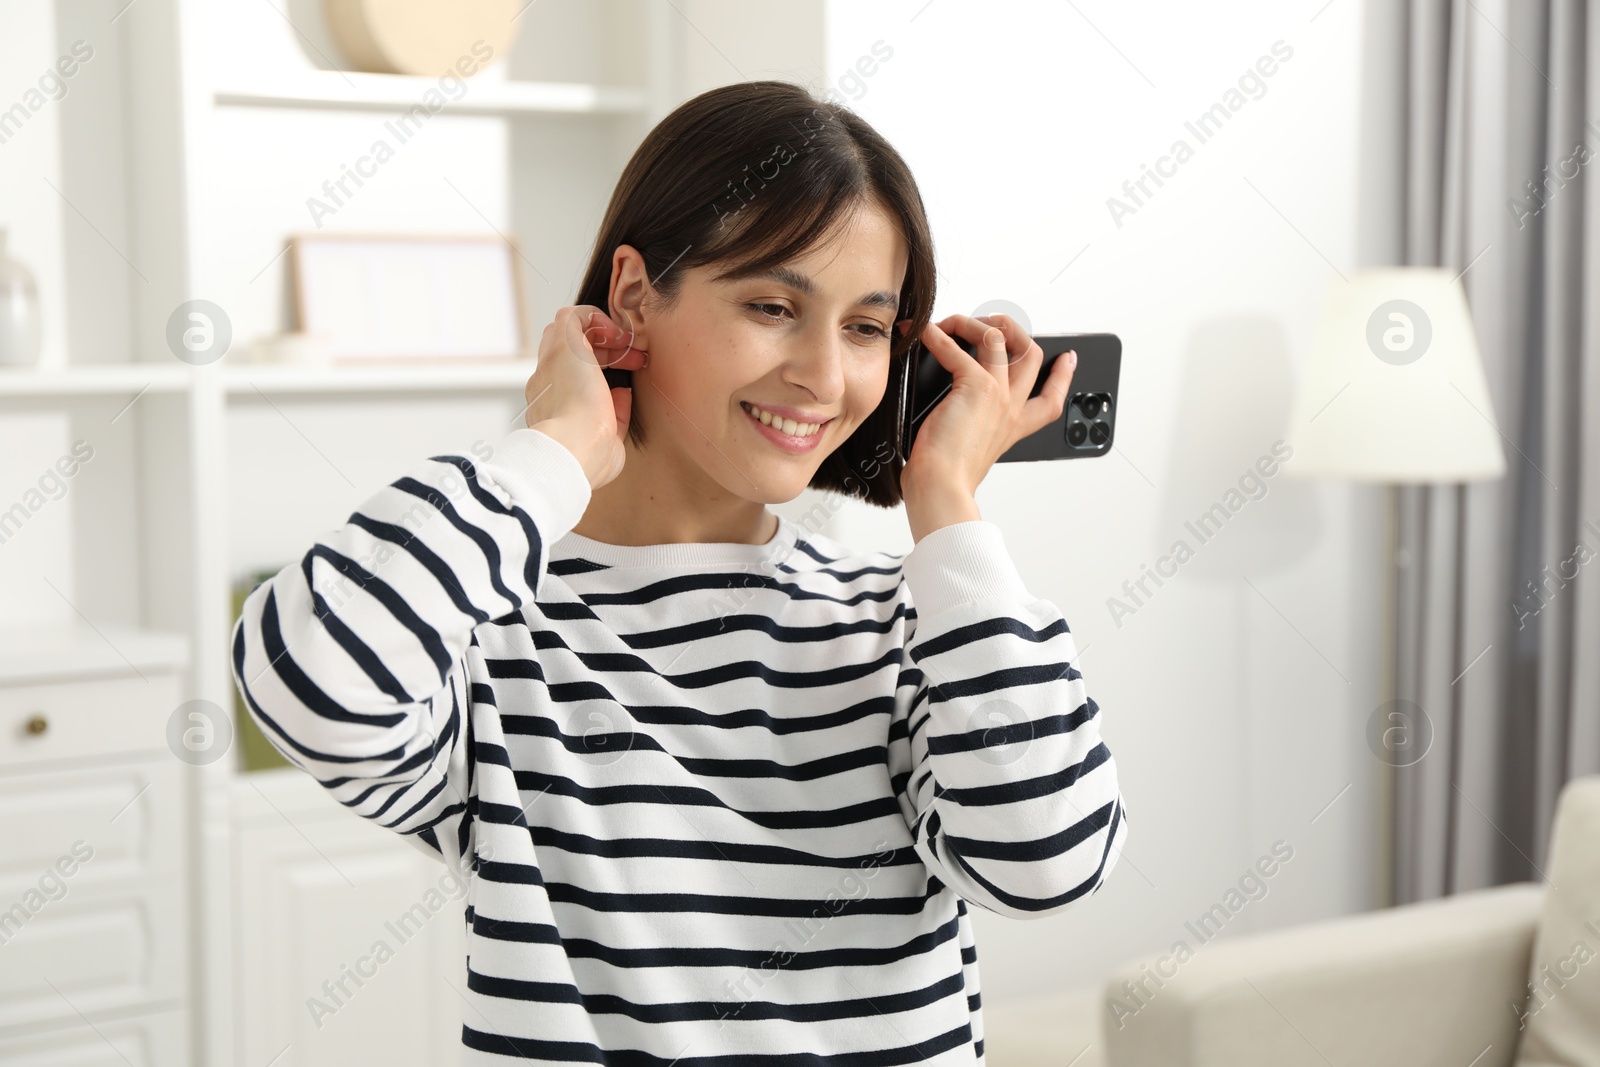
<point x="999" y="337"/>
<point x="1072" y="359"/>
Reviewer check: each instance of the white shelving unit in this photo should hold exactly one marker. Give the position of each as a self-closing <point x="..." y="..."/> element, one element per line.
<point x="354" y="91"/>
<point x="156" y="141"/>
<point x="80" y="651"/>
<point x="136" y="379"/>
<point x="510" y="375"/>
<point x="108" y="380"/>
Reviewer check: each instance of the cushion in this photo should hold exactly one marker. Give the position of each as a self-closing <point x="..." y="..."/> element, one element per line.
<point x="1560" y="1023"/>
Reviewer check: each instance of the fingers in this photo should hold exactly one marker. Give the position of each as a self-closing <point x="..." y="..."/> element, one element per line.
<point x="993" y="353"/>
<point x="559" y="387"/>
<point x="1018" y="343"/>
<point x="622" y="405"/>
<point x="601" y="332"/>
<point x="1042" y="410"/>
<point x="1002" y="347"/>
<point x="990" y="353"/>
<point x="972" y="331"/>
<point x="1014" y="339"/>
<point x="1025" y="355"/>
<point x="948" y="353"/>
<point x="571" y="325"/>
<point x="1005" y="349"/>
<point x="613" y="346"/>
<point x="607" y="343"/>
<point x="988" y="347"/>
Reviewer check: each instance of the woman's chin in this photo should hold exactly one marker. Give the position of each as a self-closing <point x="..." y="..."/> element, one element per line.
<point x="773" y="486"/>
<point x="774" y="493"/>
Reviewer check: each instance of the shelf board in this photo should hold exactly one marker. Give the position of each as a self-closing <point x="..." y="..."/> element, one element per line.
<point x="62" y="652"/>
<point x="357" y="91"/>
<point x="108" y="379"/>
<point x="246" y="381"/>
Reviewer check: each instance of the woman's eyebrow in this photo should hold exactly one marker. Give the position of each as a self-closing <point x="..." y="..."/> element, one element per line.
<point x="801" y="283"/>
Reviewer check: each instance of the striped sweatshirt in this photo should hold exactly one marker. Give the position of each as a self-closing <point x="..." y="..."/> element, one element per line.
<point x="716" y="804"/>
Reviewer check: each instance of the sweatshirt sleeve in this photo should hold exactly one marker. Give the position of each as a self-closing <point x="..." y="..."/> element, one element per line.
<point x="995" y="749"/>
<point x="352" y="660"/>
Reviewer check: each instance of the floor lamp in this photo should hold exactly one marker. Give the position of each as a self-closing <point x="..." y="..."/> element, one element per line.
<point x="1395" y="394"/>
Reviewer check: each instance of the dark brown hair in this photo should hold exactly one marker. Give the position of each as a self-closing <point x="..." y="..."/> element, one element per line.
<point x="746" y="177"/>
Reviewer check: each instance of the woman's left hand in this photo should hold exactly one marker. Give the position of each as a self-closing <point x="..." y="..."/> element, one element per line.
<point x="987" y="410"/>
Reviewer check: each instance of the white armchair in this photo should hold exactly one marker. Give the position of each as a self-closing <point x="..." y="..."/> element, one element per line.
<point x="1446" y="982"/>
<point x="1433" y="983"/>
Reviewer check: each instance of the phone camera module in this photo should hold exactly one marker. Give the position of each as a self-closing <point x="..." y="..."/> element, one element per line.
<point x="1089" y="421"/>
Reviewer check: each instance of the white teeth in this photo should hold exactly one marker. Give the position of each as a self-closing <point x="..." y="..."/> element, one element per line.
<point x="788" y="426"/>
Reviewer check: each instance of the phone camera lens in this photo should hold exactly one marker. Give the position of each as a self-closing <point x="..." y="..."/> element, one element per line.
<point x="1090" y="404"/>
<point x="1099" y="433"/>
<point x="1077" y="433"/>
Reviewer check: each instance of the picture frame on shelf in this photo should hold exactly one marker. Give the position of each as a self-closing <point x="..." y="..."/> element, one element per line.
<point x="409" y="298"/>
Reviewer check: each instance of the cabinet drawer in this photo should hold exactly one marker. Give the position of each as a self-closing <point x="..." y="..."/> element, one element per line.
<point x="92" y="717"/>
<point x="157" y="1039"/>
<point x="90" y="951"/>
<point x="113" y="822"/>
<point x="92" y="893"/>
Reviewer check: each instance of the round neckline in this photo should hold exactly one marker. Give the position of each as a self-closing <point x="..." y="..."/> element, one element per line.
<point x="682" y="554"/>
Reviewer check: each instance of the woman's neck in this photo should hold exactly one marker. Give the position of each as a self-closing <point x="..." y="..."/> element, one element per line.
<point x="648" y="504"/>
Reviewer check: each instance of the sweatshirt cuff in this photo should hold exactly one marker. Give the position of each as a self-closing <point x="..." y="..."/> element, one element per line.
<point x="960" y="563"/>
<point x="542" y="477"/>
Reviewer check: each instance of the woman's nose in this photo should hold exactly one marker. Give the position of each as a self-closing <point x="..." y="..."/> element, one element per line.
<point x="819" y="367"/>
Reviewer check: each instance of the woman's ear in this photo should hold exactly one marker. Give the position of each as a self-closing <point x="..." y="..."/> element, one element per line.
<point x="630" y="293"/>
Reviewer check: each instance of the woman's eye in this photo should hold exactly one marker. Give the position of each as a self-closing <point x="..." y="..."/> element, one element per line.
<point x="871" y="330"/>
<point x="866" y="331"/>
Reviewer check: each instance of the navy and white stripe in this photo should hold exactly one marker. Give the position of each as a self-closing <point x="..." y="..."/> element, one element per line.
<point x="722" y="805"/>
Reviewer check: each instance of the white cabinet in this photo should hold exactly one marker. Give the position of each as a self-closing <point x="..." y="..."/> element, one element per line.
<point x="93" y="861"/>
<point x="151" y="1040"/>
<point x="352" y="950"/>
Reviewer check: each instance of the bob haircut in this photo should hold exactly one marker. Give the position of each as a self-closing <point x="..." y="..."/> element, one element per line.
<point x="746" y="177"/>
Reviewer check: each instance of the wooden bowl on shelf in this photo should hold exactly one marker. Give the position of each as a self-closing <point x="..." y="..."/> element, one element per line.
<point x="428" y="37"/>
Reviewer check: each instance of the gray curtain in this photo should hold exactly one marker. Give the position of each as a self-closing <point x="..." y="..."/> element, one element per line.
<point x="1497" y="598"/>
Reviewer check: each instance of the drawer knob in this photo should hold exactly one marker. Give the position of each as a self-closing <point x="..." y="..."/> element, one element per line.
<point x="37" y="724"/>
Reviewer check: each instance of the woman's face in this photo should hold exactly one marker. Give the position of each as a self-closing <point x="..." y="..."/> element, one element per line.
<point x="807" y="344"/>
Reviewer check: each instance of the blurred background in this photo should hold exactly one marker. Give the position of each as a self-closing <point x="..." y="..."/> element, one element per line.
<point x="1368" y="677"/>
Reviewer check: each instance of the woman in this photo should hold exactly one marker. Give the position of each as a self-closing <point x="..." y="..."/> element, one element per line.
<point x="720" y="786"/>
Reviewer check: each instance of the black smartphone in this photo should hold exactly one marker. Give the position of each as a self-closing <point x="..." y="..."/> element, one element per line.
<point x="1088" y="422"/>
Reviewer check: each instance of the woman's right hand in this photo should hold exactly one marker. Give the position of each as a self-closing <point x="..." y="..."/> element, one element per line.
<point x="568" y="396"/>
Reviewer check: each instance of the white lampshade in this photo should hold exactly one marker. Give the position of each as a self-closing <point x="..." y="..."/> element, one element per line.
<point x="1395" y="390"/>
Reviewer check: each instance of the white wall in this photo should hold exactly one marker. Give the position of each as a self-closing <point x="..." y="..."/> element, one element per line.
<point x="1236" y="697"/>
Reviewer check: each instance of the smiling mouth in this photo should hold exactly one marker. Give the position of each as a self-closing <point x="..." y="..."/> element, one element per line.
<point x="782" y="425"/>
